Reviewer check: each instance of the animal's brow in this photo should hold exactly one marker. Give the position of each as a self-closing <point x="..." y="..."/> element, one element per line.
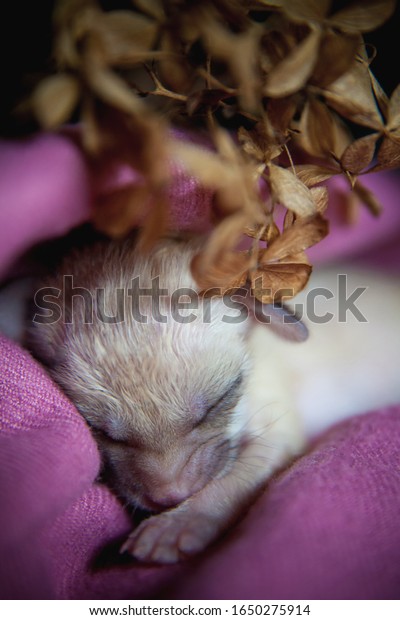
<point x="229" y="393"/>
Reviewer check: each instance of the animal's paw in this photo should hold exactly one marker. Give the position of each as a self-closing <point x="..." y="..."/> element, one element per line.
<point x="171" y="536"/>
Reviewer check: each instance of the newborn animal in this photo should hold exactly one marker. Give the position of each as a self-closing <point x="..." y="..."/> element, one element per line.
<point x="193" y="405"/>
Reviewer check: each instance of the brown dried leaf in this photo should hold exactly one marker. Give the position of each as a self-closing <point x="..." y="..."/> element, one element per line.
<point x="244" y="68"/>
<point x="65" y="53"/>
<point x="153" y="8"/>
<point x="223" y="238"/>
<point x="203" y="100"/>
<point x="229" y="273"/>
<point x="303" y="234"/>
<point x="393" y="116"/>
<point x="258" y="143"/>
<point x="118" y="212"/>
<point x="124" y="34"/>
<point x="342" y="135"/>
<point x="226" y="146"/>
<point x="363" y="15"/>
<point x="348" y="207"/>
<point x="289" y="219"/>
<point x="147" y="133"/>
<point x="321" y="198"/>
<point x="351" y="95"/>
<point x="304" y="10"/>
<point x="279" y="280"/>
<point x="211" y="170"/>
<point x="280" y="113"/>
<point x="322" y="133"/>
<point x="174" y="70"/>
<point x="239" y="51"/>
<point x="155" y="223"/>
<point x="336" y="54"/>
<point x="380" y="95"/>
<point x="112" y="89"/>
<point x="54" y="100"/>
<point x="289" y="191"/>
<point x="389" y="153"/>
<point x="359" y="153"/>
<point x="291" y="74"/>
<point x="72" y="20"/>
<point x="298" y="51"/>
<point x="234" y="180"/>
<point x="272" y="3"/>
<point x="368" y="198"/>
<point x="311" y="175"/>
<point x="268" y="233"/>
<point x="271" y="233"/>
<point x="92" y="136"/>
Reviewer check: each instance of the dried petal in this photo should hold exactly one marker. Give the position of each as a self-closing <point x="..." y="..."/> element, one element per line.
<point x="388" y="154"/>
<point x="394" y="109"/>
<point x="234" y="181"/>
<point x="363" y="15"/>
<point x="208" y="98"/>
<point x="289" y="191"/>
<point x="228" y="273"/>
<point x="368" y="198"/>
<point x="291" y="74"/>
<point x="359" y="153"/>
<point x="223" y="238"/>
<point x="307" y="62"/>
<point x="54" y="100"/>
<point x="153" y="8"/>
<point x="155" y="223"/>
<point x="336" y="54"/>
<point x="321" y="197"/>
<point x="351" y="95"/>
<point x="380" y="95"/>
<point x="279" y="281"/>
<point x="303" y="234"/>
<point x="239" y="52"/>
<point x="322" y="133"/>
<point x="118" y="212"/>
<point x="289" y="219"/>
<point x="174" y="70"/>
<point x="123" y="33"/>
<point x="310" y="174"/>
<point x="305" y="10"/>
<point x="92" y="136"/>
<point x="258" y="144"/>
<point x="211" y="170"/>
<point x="263" y="233"/>
<point x="348" y="206"/>
<point x="280" y="113"/>
<point x="112" y="89"/>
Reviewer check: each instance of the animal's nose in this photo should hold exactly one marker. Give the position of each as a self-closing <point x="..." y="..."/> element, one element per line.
<point x="159" y="500"/>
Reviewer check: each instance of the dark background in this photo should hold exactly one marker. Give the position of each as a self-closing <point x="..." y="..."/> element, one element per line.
<point x="26" y="34"/>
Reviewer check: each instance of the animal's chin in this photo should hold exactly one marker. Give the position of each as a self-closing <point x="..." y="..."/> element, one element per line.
<point x="148" y="505"/>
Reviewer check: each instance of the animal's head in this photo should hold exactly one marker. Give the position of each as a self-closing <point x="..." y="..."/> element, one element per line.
<point x="163" y="395"/>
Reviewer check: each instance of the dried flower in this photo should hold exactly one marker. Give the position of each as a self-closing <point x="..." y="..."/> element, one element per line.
<point x="287" y="76"/>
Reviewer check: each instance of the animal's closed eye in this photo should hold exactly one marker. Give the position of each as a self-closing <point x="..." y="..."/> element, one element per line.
<point x="103" y="435"/>
<point x="226" y="401"/>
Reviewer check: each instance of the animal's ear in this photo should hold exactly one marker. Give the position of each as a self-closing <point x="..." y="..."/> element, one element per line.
<point x="281" y="319"/>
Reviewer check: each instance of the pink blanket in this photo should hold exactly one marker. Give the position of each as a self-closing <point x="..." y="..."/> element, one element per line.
<point x="326" y="528"/>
